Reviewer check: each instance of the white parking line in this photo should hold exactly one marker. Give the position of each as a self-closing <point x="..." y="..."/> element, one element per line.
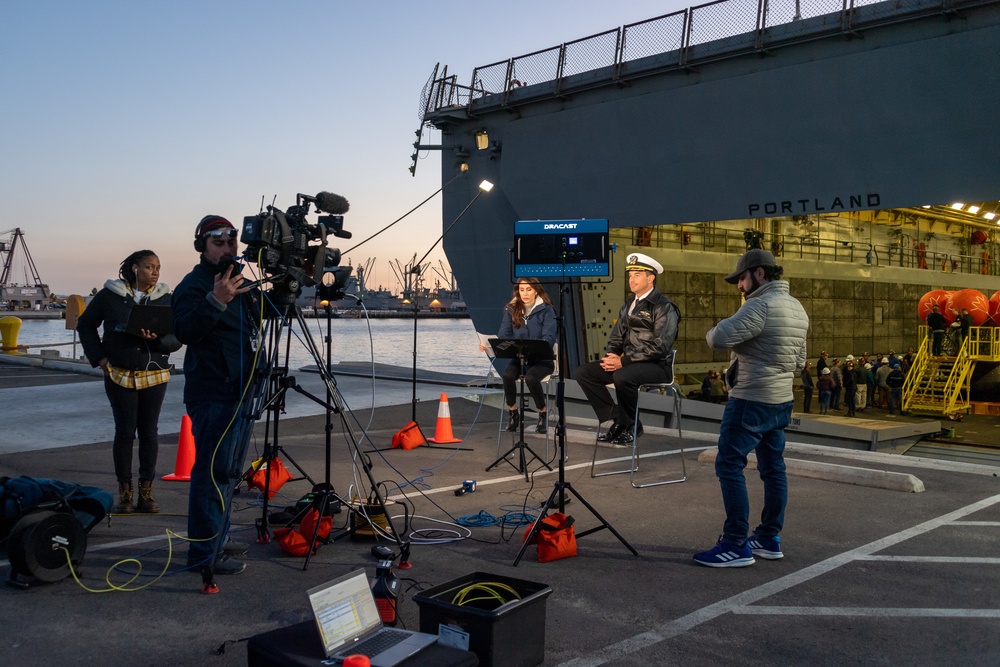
<point x="740" y="602"/>
<point x="868" y="611"/>
<point x="934" y="559"/>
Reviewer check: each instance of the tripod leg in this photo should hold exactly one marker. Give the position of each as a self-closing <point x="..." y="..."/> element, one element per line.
<point x="294" y="463"/>
<point x="538" y="522"/>
<point x="520" y="445"/>
<point x="322" y="505"/>
<point x="604" y="522"/>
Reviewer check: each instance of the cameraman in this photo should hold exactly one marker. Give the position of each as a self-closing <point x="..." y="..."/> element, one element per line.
<point x="217" y="317"/>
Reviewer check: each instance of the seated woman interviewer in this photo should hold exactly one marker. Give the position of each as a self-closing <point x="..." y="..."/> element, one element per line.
<point x="529" y="314"/>
<point x="136" y="371"/>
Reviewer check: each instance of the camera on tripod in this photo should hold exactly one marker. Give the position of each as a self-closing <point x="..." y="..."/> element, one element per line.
<point x="293" y="252"/>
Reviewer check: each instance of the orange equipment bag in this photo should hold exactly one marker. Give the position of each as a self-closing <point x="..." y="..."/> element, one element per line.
<point x="276" y="470"/>
<point x="408" y="437"/>
<point x="555" y="537"/>
<point x="295" y="542"/>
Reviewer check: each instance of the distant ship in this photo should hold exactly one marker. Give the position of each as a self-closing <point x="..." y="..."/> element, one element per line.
<point x="360" y="299"/>
<point x="30" y="296"/>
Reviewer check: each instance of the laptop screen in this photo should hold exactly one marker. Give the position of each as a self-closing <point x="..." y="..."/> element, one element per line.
<point x="344" y="609"/>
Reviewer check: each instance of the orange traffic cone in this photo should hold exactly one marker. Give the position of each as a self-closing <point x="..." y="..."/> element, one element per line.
<point x="442" y="432"/>
<point x="185" y="454"/>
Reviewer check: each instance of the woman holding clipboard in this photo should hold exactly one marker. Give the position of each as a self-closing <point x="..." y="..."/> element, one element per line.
<point x="529" y="314"/>
<point x="136" y="370"/>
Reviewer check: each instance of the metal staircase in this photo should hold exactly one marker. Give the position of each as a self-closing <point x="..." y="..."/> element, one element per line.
<point x="940" y="385"/>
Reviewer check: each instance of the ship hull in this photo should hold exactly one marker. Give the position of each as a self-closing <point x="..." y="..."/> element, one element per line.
<point x="737" y="143"/>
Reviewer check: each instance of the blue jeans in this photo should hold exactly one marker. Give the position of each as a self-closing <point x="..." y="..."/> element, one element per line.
<point x="895" y="400"/>
<point x="937" y="339"/>
<point x="219" y="452"/>
<point x="748" y="426"/>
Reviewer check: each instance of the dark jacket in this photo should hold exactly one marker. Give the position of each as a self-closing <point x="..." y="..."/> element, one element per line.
<point x="111" y="307"/>
<point x="936" y="322"/>
<point x="807" y="379"/>
<point x="824" y="383"/>
<point x="850" y="379"/>
<point x="648" y="334"/>
<point x="539" y="324"/>
<point x="220" y="354"/>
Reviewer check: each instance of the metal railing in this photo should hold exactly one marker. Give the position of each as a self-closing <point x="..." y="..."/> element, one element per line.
<point x="714" y="239"/>
<point x="683" y="39"/>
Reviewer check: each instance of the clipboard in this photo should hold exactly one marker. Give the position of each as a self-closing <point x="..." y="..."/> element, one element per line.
<point x="156" y="319"/>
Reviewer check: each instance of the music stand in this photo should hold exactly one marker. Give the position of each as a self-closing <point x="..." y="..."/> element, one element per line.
<point x="521" y="349"/>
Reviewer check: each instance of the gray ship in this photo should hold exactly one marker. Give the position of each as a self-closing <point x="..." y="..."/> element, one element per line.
<point x="851" y="139"/>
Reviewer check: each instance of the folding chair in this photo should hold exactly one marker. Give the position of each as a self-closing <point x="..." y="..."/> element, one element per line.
<point x="678" y="396"/>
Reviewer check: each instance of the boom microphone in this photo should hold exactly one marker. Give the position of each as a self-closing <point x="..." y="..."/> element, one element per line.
<point x="327" y="202"/>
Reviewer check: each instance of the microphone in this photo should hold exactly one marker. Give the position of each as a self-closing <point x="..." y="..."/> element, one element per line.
<point x="327" y="202"/>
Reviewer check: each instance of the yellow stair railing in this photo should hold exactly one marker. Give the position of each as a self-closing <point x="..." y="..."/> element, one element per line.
<point x="984" y="343"/>
<point x="941" y="385"/>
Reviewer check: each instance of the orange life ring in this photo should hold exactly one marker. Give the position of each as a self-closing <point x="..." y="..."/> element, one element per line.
<point x="514" y="83"/>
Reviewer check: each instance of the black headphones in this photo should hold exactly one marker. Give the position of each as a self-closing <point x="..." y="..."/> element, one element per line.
<point x="199" y="241"/>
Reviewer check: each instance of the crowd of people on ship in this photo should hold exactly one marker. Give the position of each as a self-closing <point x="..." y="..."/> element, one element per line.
<point x="850" y="386"/>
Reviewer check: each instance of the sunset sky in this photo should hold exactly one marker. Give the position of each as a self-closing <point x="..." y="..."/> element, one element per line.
<point x="123" y="123"/>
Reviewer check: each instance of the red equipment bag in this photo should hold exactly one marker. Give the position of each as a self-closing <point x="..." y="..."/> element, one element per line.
<point x="276" y="470"/>
<point x="408" y="437"/>
<point x="295" y="542"/>
<point x="555" y="537"/>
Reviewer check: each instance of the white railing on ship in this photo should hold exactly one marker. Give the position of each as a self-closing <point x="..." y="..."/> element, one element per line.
<point x="699" y="34"/>
<point x="903" y="254"/>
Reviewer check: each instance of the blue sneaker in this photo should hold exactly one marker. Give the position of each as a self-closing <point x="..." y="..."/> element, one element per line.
<point x="726" y="554"/>
<point x="768" y="548"/>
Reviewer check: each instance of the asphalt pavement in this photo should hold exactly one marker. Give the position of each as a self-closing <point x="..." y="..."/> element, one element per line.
<point x="870" y="575"/>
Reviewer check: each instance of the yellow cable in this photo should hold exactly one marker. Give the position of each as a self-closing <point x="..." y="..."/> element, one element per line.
<point x="460" y="598"/>
<point x="222" y="501"/>
<point x="124" y="588"/>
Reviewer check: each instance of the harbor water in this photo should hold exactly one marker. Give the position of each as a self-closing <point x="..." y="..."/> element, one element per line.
<point x="445" y="345"/>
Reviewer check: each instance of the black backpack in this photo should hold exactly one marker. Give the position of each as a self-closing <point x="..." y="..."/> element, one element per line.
<point x="894" y="380"/>
<point x="20" y="495"/>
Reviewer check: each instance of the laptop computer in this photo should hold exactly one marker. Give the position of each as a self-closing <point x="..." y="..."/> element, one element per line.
<point x="156" y="319"/>
<point x="349" y="623"/>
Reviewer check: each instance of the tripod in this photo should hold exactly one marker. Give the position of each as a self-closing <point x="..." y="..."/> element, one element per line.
<point x="561" y="486"/>
<point x="521" y="349"/>
<point x="323" y="494"/>
<point x="273" y="401"/>
<point x="410" y="287"/>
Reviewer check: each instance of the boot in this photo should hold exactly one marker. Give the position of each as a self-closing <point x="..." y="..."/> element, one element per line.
<point x="125" y="505"/>
<point x="543" y="422"/>
<point x="515" y="420"/>
<point x="146" y="504"/>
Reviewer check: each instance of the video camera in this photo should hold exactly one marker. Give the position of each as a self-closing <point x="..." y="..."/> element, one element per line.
<point x="283" y="245"/>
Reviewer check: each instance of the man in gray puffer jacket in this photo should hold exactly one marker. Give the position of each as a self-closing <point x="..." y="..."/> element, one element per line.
<point x="767" y="336"/>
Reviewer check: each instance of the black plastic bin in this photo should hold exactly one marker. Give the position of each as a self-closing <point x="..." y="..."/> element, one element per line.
<point x="510" y="634"/>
